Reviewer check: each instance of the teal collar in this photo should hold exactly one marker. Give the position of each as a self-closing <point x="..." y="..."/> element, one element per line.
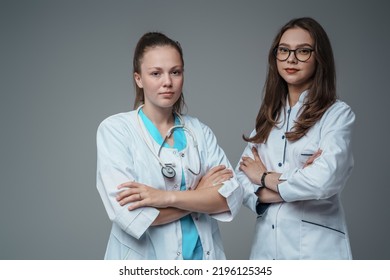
<point x="178" y="134"/>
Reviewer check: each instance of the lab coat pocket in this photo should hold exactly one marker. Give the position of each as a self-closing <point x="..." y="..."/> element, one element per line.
<point x="304" y="154"/>
<point x="323" y="242"/>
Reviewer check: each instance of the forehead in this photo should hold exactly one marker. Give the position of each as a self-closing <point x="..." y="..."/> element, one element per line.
<point x="159" y="56"/>
<point x="296" y="36"/>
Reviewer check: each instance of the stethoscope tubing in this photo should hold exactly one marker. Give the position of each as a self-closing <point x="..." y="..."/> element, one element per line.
<point x="167" y="169"/>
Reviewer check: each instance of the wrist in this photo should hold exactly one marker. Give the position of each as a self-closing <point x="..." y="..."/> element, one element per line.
<point x="272" y="181"/>
<point x="262" y="180"/>
<point x="172" y="198"/>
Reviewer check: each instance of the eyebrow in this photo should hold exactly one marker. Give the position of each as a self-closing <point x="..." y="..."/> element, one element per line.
<point x="161" y="68"/>
<point x="298" y="46"/>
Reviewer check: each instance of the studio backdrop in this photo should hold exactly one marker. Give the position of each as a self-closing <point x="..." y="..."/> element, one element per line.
<point x="66" y="65"/>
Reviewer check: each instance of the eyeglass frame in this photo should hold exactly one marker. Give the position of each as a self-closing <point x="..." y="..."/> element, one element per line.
<point x="294" y="51"/>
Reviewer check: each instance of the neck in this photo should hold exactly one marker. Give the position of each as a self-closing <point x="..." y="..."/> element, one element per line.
<point x="161" y="117"/>
<point x="294" y="93"/>
<point x="293" y="98"/>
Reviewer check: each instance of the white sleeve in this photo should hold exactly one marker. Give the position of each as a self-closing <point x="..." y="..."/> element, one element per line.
<point x="115" y="166"/>
<point x="249" y="188"/>
<point x="331" y="170"/>
<point x="231" y="190"/>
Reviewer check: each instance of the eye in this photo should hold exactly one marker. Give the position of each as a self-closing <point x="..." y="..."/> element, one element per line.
<point x="177" y="72"/>
<point x="304" y="51"/>
<point x="155" y="73"/>
<point x="283" y="50"/>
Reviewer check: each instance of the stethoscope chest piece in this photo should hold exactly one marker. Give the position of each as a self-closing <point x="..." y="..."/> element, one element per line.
<point x="168" y="171"/>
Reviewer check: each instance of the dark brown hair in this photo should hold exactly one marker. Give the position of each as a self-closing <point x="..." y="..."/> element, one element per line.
<point x="147" y="41"/>
<point x="321" y="95"/>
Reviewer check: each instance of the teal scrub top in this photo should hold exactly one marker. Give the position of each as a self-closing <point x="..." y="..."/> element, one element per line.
<point x="192" y="246"/>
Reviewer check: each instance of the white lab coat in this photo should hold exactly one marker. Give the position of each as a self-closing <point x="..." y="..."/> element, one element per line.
<point x="310" y="223"/>
<point x="123" y="155"/>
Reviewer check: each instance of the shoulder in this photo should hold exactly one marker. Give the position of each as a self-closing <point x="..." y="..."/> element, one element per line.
<point x="193" y="122"/>
<point x="338" y="114"/>
<point x="340" y="108"/>
<point x="118" y="122"/>
<point x="118" y="119"/>
<point x="341" y="105"/>
<point x="199" y="128"/>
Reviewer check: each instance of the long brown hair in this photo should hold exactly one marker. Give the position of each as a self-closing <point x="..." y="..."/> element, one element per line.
<point x="321" y="95"/>
<point x="147" y="41"/>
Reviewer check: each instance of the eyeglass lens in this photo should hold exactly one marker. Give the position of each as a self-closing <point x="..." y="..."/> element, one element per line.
<point x="302" y="54"/>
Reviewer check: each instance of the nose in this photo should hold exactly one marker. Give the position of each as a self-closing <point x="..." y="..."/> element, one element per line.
<point x="167" y="80"/>
<point x="292" y="57"/>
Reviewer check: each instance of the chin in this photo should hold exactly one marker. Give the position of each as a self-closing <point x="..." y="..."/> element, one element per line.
<point x="169" y="104"/>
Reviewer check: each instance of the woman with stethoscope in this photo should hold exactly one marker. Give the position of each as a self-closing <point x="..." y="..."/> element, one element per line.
<point x="163" y="179"/>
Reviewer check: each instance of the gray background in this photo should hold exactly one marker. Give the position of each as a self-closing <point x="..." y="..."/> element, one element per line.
<point x="66" y="65"/>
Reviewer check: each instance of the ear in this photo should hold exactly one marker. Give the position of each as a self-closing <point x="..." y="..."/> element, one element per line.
<point x="137" y="79"/>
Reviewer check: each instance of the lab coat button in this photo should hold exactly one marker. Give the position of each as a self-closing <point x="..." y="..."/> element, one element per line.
<point x="283" y="137"/>
<point x="280" y="164"/>
<point x="208" y="253"/>
<point x="178" y="253"/>
<point x="182" y="154"/>
<point x="273" y="227"/>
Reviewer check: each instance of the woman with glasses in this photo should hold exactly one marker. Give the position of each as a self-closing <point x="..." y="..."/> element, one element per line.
<point x="298" y="157"/>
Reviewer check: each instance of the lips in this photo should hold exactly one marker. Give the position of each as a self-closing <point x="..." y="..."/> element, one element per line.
<point x="291" y="70"/>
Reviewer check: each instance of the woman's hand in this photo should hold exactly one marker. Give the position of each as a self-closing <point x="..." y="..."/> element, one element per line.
<point x="142" y="195"/>
<point x="253" y="168"/>
<point x="272" y="179"/>
<point x="215" y="177"/>
<point x="311" y="159"/>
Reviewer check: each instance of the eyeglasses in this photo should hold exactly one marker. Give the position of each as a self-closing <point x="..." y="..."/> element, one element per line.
<point x="301" y="54"/>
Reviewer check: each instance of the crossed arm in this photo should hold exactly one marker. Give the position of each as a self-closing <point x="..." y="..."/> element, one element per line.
<point x="174" y="205"/>
<point x="253" y="167"/>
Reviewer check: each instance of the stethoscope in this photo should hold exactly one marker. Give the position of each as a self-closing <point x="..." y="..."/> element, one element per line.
<point x="167" y="169"/>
